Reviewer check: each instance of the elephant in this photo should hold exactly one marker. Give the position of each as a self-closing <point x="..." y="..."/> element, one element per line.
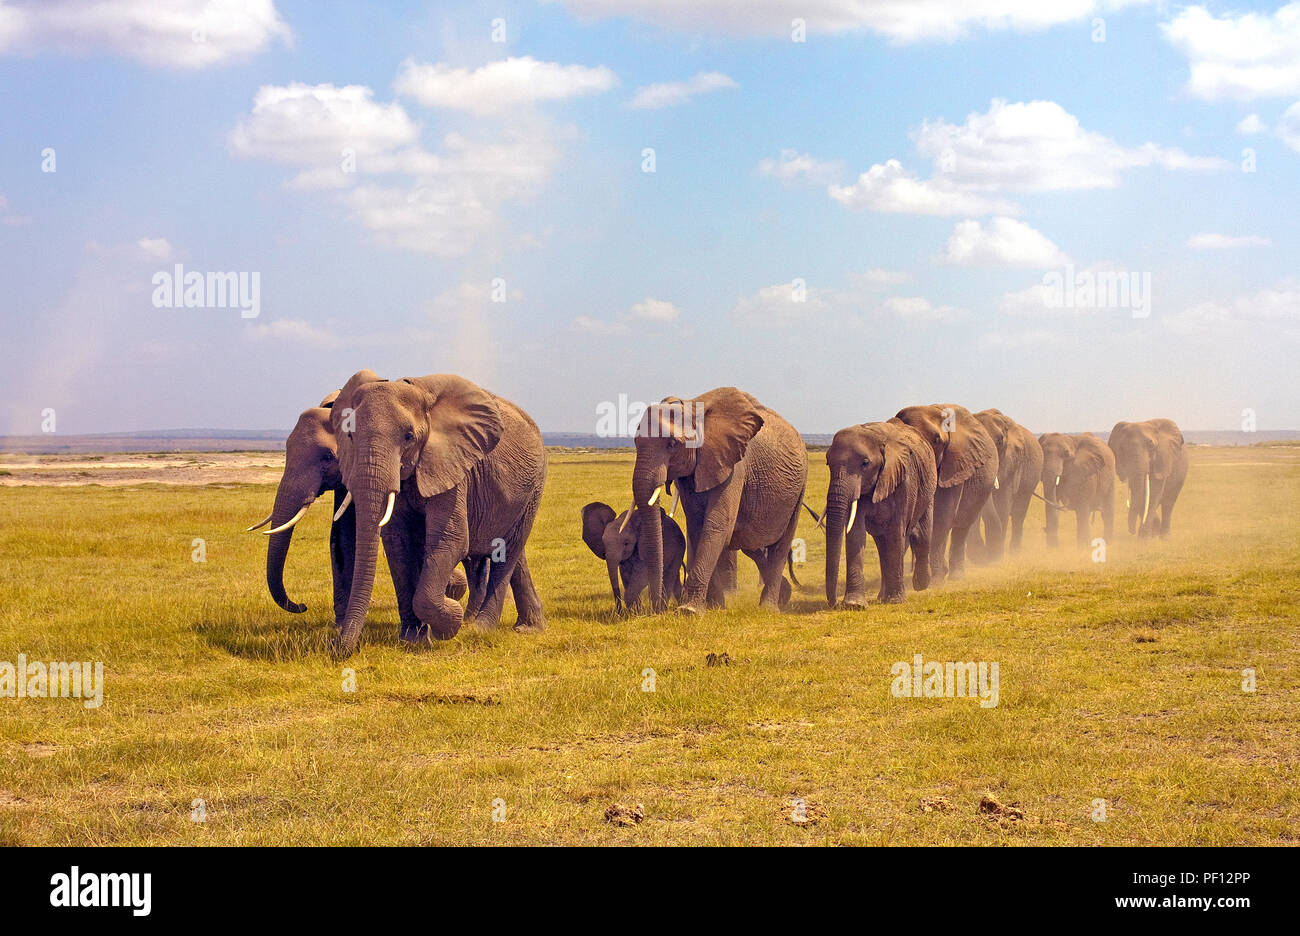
<point x="1086" y="482"/>
<point x="310" y="469"/>
<point x="883" y="475"/>
<point x="617" y="540"/>
<point x="1058" y="448"/>
<point x="445" y="472"/>
<point x="1020" y="464"/>
<point x="967" y="462"/>
<point x="740" y="471"/>
<point x="1149" y="457"/>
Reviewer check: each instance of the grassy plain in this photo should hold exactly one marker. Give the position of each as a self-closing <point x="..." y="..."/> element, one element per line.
<point x="1119" y="681"/>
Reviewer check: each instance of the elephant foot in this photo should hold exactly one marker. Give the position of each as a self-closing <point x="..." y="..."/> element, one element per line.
<point x="892" y="597"/>
<point x="786" y="591"/>
<point x="692" y="608"/>
<point x="530" y="625"/>
<point x="854" y="600"/>
<point x="416" y="636"/>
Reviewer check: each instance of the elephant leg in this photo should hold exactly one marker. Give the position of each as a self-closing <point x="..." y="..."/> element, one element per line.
<point x="710" y="541"/>
<point x="776" y="590"/>
<point x="446" y="540"/>
<point x="532" y="617"/>
<point x="945" y="508"/>
<point x="1019" y="508"/>
<point x="891" y="545"/>
<point x="458" y="585"/>
<point x="961" y="526"/>
<point x="488" y="615"/>
<point x="920" y="541"/>
<point x="1152" y="525"/>
<point x="1082" y="533"/>
<point x="343" y="551"/>
<point x="724" y="574"/>
<point x="1172" y="489"/>
<point x="403" y="540"/>
<point x="1053" y="515"/>
<point x="855" y="579"/>
<point x="1108" y="515"/>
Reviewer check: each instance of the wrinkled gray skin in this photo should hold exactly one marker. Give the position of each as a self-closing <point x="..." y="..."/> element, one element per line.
<point x="967" y="462"/>
<point x="467" y="470"/>
<point x="310" y="469"/>
<point x="617" y="540"/>
<point x="1020" y="465"/>
<point x="889" y="471"/>
<point x="1149" y="458"/>
<point x="1087" y="481"/>
<point x="740" y="470"/>
<point x="1058" y="448"/>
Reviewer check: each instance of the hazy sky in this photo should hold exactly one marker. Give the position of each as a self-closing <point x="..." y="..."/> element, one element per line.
<point x="844" y="217"/>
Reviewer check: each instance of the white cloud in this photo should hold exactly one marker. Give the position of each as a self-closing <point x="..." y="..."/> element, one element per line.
<point x="920" y="309"/>
<point x="1038" y="146"/>
<point x="793" y="166"/>
<point x="876" y="278"/>
<point x="778" y="306"/>
<point x="1027" y="340"/>
<point x="677" y="92"/>
<point x="183" y="34"/>
<point x="296" y="331"/>
<point x="500" y="86"/>
<point x="1239" y="55"/>
<point x="890" y="188"/>
<point x="1288" y="127"/>
<point x="1225" y="241"/>
<point x="901" y="21"/>
<point x="341" y="139"/>
<point x="1250" y="125"/>
<point x="155" y="248"/>
<point x="654" y="311"/>
<point x="1276" y="308"/>
<point x="1004" y="242"/>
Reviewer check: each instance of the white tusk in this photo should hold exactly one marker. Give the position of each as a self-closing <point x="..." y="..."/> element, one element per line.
<point x="677" y="493"/>
<point x="347" y="501"/>
<point x="1146" y="495"/>
<point x="853" y="515"/>
<point x="388" y="514"/>
<point x="263" y="523"/>
<point x="627" y="517"/>
<point x="995" y="484"/>
<point x="655" y="496"/>
<point x="288" y="526"/>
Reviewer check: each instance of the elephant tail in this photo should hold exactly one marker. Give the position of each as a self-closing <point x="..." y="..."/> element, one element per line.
<point x="816" y="519"/>
<point x="789" y="564"/>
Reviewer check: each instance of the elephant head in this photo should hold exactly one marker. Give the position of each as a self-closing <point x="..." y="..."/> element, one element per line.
<point x="701" y="440"/>
<point x="1002" y="430"/>
<point x="1144" y="452"/>
<point x="961" y="445"/>
<point x="1058" y="450"/>
<point x="1084" y="463"/>
<point x="614" y="539"/>
<point x="429" y="431"/>
<point x="866" y="458"/>
<point x="310" y="469"/>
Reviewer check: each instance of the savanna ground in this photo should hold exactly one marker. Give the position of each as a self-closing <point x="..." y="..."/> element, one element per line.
<point x="1119" y="681"/>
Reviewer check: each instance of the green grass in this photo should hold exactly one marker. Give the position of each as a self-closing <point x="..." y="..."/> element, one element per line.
<point x="1119" y="681"/>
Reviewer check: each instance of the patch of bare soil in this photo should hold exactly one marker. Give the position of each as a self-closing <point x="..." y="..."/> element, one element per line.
<point x="621" y="815"/>
<point x="804" y="812"/>
<point x="116" y="470"/>
<point x="931" y="804"/>
<point x="10" y="799"/>
<point x="1000" y="813"/>
<point x="40" y="748"/>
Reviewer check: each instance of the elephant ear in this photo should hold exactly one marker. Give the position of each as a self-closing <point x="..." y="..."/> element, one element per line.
<point x="328" y="402"/>
<point x="464" y="425"/>
<point x="1168" y="443"/>
<point x="969" y="447"/>
<point x="730" y="420"/>
<point x="891" y="473"/>
<point x="1089" y="459"/>
<point x="595" y="517"/>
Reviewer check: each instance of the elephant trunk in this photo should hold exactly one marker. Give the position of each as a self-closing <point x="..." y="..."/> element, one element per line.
<point x="288" y="502"/>
<point x="647" y="478"/>
<point x="1052" y="514"/>
<point x="370" y="500"/>
<point x="612" y="563"/>
<point x="840" y="499"/>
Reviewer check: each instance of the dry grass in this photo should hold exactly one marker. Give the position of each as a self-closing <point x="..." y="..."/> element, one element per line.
<point x="1119" y="681"/>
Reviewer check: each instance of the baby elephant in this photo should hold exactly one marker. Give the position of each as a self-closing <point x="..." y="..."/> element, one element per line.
<point x="616" y="539"/>
<point x="883" y="480"/>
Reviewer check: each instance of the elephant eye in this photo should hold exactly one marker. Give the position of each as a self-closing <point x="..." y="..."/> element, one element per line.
<point x="409" y="437"/>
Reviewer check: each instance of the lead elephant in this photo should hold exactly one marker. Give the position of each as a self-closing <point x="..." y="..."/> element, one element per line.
<point x="1085" y="481"/>
<point x="739" y="470"/>
<point x="446" y="473"/>
<point x="310" y="469"/>
<point x="883" y="475"/>
<point x="1020" y="464"/>
<point x="967" y="461"/>
<point x="618" y="541"/>
<point x="1149" y="458"/>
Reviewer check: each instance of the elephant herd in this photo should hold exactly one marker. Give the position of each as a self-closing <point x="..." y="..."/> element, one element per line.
<point x="450" y="476"/>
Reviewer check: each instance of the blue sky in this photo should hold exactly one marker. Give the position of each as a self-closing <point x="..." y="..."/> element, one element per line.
<point x="920" y="167"/>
